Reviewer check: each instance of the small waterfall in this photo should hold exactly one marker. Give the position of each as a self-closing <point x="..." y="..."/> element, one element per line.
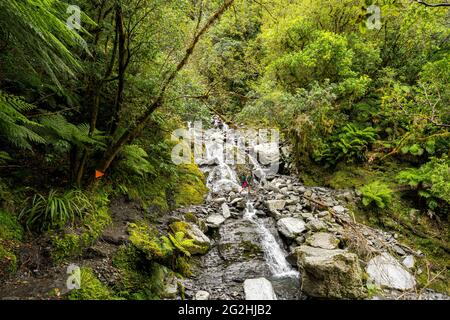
<point x="273" y="253"/>
<point x="223" y="178"/>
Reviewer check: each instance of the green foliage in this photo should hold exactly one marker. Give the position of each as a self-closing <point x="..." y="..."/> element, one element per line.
<point x="191" y="246"/>
<point x="349" y="145"/>
<point x="135" y="160"/>
<point x="14" y="125"/>
<point x="326" y="57"/>
<point x="11" y="234"/>
<point x="55" y="210"/>
<point x="139" y="280"/>
<point x="431" y="180"/>
<point x="72" y="241"/>
<point x="56" y="128"/>
<point x="91" y="288"/>
<point x="191" y="187"/>
<point x="40" y="25"/>
<point x="182" y="243"/>
<point x="377" y="193"/>
<point x="10" y="227"/>
<point x="161" y="248"/>
<point x="144" y="239"/>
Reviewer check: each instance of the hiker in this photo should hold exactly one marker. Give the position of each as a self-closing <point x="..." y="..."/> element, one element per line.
<point x="246" y="181"/>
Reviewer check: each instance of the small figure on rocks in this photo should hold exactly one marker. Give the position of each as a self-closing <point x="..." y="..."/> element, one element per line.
<point x="246" y="180"/>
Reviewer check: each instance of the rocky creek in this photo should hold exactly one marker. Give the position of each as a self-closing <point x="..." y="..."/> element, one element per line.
<point x="283" y="240"/>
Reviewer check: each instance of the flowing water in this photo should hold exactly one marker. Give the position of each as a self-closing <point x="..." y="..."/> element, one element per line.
<point x="274" y="255"/>
<point x="222" y="178"/>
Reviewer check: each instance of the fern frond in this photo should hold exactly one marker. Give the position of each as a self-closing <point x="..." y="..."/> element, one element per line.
<point x="15" y="127"/>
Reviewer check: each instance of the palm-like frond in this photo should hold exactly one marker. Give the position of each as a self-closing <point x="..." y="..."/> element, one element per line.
<point x="37" y="30"/>
<point x="15" y="127"/>
<point x="56" y="127"/>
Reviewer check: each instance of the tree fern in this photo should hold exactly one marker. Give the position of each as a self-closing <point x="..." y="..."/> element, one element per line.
<point x="56" y="127"/>
<point x="15" y="127"/>
<point x="135" y="160"/>
<point x="4" y="157"/>
<point x="40" y="25"/>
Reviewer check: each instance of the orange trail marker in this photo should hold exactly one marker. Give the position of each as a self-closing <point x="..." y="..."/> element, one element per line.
<point x="99" y="174"/>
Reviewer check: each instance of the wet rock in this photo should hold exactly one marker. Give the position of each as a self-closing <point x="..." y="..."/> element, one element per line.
<point x="239" y="241"/>
<point x="409" y="262"/>
<point x="291" y="227"/>
<point x="238" y="203"/>
<point x="226" y="211"/>
<point x="202" y="295"/>
<point x="339" y="209"/>
<point x="275" y="214"/>
<point x="323" y="240"/>
<point x="399" y="250"/>
<point x="238" y="272"/>
<point x="260" y="213"/>
<point x="235" y="201"/>
<point x="272" y="205"/>
<point x="330" y="273"/>
<point x="259" y="289"/>
<point x="292" y="208"/>
<point x="316" y="225"/>
<point x="300" y="240"/>
<point x="385" y="271"/>
<point x="267" y="153"/>
<point x="271" y="187"/>
<point x="214" y="221"/>
<point x="306" y="215"/>
<point x="323" y="214"/>
<point x="220" y="200"/>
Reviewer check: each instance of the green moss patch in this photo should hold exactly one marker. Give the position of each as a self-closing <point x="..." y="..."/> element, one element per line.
<point x="71" y="242"/>
<point x="191" y="187"/>
<point x="11" y="233"/>
<point x="91" y="288"/>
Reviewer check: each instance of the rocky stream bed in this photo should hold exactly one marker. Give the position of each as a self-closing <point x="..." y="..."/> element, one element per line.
<point x="281" y="240"/>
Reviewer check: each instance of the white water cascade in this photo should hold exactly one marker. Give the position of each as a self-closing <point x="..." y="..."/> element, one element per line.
<point x="273" y="253"/>
<point x="223" y="178"/>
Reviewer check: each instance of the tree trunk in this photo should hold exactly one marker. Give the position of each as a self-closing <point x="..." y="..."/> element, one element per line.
<point x="121" y="66"/>
<point x="132" y="132"/>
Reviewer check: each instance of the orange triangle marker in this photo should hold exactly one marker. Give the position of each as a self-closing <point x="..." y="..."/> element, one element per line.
<point x="99" y="174"/>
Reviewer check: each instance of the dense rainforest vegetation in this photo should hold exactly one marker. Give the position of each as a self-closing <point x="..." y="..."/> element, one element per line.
<point x="87" y="109"/>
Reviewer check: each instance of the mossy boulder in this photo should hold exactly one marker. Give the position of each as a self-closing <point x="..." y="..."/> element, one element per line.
<point x="72" y="241"/>
<point x="201" y="241"/>
<point x="332" y="274"/>
<point x="191" y="187"/>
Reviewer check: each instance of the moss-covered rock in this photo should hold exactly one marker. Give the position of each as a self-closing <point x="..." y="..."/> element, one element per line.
<point x="139" y="279"/>
<point x="11" y="233"/>
<point x="334" y="274"/>
<point x="201" y="241"/>
<point x="191" y="187"/>
<point x="71" y="242"/>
